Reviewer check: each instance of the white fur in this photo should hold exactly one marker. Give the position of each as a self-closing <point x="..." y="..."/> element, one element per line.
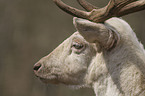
<point x="119" y="72"/>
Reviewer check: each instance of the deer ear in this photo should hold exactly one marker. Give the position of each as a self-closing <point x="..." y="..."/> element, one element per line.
<point x="94" y="32"/>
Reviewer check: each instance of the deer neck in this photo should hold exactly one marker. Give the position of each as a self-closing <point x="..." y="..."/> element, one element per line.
<point x="121" y="76"/>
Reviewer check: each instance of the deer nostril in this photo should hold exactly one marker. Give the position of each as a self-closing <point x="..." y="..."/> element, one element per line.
<point x="37" y="66"/>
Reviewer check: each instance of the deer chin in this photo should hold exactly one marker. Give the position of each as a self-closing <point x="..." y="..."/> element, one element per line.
<point x="49" y="79"/>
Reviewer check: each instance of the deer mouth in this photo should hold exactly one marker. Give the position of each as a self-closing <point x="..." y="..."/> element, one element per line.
<point x="49" y="79"/>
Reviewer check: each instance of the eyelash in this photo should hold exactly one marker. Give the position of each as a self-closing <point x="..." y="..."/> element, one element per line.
<point x="77" y="45"/>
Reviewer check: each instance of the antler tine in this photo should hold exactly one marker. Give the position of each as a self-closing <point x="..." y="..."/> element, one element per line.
<point x="86" y="5"/>
<point x="115" y="5"/>
<point x="111" y="10"/>
<point x="133" y="7"/>
<point x="114" y="8"/>
<point x="71" y="10"/>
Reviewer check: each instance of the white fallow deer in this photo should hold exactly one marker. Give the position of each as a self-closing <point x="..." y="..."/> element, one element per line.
<point x="103" y="54"/>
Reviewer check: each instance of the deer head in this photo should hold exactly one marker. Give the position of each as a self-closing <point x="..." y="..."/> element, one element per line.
<point x="97" y="53"/>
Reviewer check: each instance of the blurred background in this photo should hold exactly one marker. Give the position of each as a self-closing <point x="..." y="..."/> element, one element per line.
<point x="31" y="29"/>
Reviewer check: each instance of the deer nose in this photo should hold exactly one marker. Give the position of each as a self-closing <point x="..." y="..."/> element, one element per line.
<point x="36" y="67"/>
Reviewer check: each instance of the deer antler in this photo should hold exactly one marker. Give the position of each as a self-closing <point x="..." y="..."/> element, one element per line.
<point x="115" y="8"/>
<point x="133" y="7"/>
<point x="86" y="5"/>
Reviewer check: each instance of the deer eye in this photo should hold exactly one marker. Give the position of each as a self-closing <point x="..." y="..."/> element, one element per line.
<point x="77" y="47"/>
